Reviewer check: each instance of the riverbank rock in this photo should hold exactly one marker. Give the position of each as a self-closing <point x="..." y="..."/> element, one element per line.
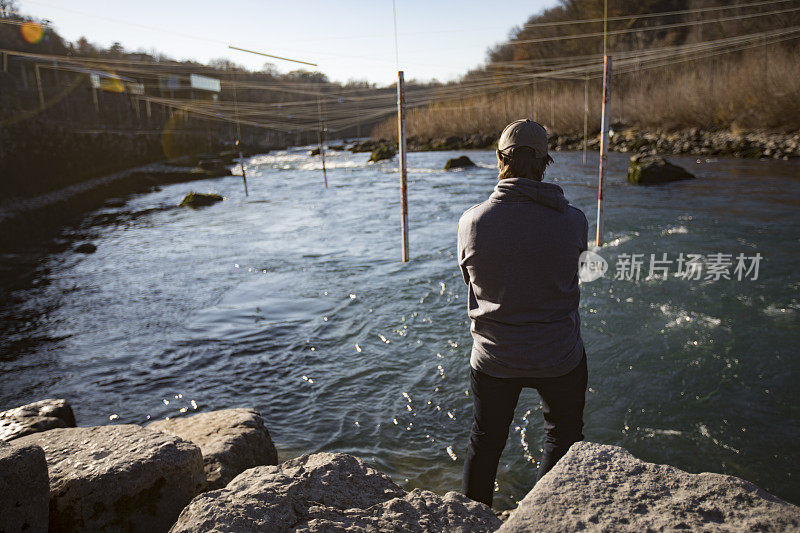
<point x="198" y="199"/>
<point x="605" y="488"/>
<point x="24" y="488"/>
<point x="367" y="146"/>
<point x="117" y="478"/>
<point x="216" y="164"/>
<point x="417" y="143"/>
<point x="156" y="175"/>
<point x="478" y="140"/>
<point x="329" y="492"/>
<point x="86" y="248"/>
<point x="115" y="203"/>
<point x="459" y="162"/>
<point x="383" y="151"/>
<point x="625" y="138"/>
<point x="451" y="142"/>
<point x="35" y="417"/>
<point x="652" y="169"/>
<point x="231" y="441"/>
<point x="314" y="152"/>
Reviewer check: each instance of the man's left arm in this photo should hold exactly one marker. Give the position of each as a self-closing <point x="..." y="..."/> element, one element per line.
<point x="585" y="234"/>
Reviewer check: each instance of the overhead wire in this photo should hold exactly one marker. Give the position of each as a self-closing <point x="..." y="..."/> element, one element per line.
<point x="648" y="28"/>
<point x="651" y="15"/>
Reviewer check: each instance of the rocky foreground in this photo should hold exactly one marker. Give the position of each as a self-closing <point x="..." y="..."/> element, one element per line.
<point x="604" y="488"/>
<point x="218" y="471"/>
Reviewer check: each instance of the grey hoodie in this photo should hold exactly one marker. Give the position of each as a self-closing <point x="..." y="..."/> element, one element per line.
<point x="518" y="252"/>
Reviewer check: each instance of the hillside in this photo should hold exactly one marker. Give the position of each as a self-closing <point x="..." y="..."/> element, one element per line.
<point x="677" y="64"/>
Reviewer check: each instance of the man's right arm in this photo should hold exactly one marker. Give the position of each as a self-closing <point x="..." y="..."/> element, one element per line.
<point x="460" y="256"/>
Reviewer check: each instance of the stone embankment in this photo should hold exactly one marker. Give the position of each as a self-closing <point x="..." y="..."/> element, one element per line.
<point x="25" y="218"/>
<point x="630" y="140"/>
<point x="691" y="142"/>
<point x="219" y="471"/>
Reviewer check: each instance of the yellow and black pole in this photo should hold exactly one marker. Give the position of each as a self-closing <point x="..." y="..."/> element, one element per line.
<point x="239" y="137"/>
<point x="236" y="103"/>
<point x="321" y="141"/>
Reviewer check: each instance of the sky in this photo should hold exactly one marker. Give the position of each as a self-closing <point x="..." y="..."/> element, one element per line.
<point x="348" y="39"/>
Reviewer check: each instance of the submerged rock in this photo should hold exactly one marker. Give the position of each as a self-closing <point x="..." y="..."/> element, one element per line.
<point x="24" y="488"/>
<point x="86" y="248"/>
<point x="231" y="441"/>
<point x="35" y="417"/>
<point x="199" y="199"/>
<point x="117" y="477"/>
<point x="459" y="162"/>
<point x="652" y="169"/>
<point x="605" y="488"/>
<point x="329" y="492"/>
<point x="381" y="152"/>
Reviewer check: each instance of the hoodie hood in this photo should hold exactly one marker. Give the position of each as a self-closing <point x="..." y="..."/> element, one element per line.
<point x="524" y="189"/>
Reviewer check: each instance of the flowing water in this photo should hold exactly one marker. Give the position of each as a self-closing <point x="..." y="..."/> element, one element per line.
<point x="293" y="301"/>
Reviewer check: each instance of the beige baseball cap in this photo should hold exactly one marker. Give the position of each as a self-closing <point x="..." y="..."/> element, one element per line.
<point x="524" y="132"/>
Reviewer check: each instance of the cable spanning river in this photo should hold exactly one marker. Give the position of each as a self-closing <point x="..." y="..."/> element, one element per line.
<point x="293" y="301"/>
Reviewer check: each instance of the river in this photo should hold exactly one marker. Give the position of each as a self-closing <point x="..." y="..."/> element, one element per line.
<point x="293" y="300"/>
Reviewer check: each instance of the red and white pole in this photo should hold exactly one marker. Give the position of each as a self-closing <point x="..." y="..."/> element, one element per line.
<point x="401" y="140"/>
<point x="603" y="149"/>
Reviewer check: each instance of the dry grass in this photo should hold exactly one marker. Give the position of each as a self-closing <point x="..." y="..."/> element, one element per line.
<point x="754" y="92"/>
<point x="743" y="93"/>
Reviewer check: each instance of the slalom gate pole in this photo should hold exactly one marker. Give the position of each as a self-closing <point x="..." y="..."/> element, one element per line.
<point x="603" y="149"/>
<point x="239" y="135"/>
<point x="321" y="141"/>
<point x="244" y="176"/>
<point x="585" y="116"/>
<point x="39" y="86"/>
<point x="401" y="140"/>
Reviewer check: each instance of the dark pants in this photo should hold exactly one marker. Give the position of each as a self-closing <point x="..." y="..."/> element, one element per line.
<point x="494" y="401"/>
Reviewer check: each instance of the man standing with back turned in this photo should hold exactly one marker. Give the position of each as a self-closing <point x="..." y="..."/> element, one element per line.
<point x="518" y="252"/>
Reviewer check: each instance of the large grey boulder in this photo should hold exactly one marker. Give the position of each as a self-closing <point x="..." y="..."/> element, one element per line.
<point x="598" y="487"/>
<point x="24" y="488"/>
<point x="117" y="478"/>
<point x="329" y="492"/>
<point x="231" y="441"/>
<point x="35" y="417"/>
